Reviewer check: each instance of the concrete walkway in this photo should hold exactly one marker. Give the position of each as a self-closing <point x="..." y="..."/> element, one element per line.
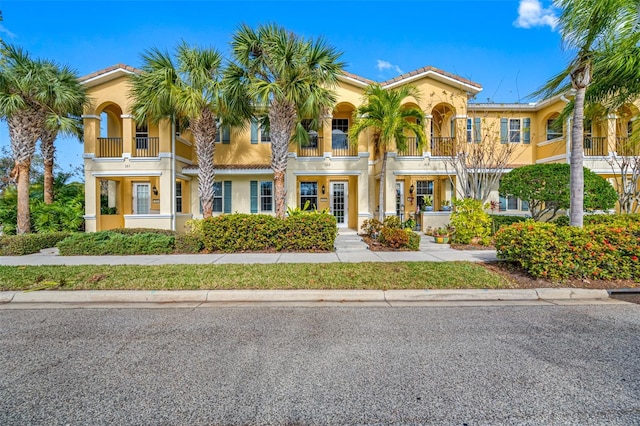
<point x="349" y="248"/>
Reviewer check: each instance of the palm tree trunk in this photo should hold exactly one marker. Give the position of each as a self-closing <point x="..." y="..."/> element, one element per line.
<point x="282" y="119"/>
<point x="48" y="155"/>
<point x="580" y="79"/>
<point x="204" y="130"/>
<point x="24" y="215"/>
<point x="383" y="184"/>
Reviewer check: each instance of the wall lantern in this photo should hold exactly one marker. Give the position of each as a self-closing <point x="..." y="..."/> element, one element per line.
<point x="155" y="190"/>
<point x="323" y="189"/>
<point x="410" y="197"/>
<point x="411" y="188"/>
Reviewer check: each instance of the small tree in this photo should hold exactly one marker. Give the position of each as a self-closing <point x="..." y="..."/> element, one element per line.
<point x="479" y="162"/>
<point x="546" y="188"/>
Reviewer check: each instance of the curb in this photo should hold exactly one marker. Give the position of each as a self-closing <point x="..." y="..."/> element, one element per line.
<point x="257" y="296"/>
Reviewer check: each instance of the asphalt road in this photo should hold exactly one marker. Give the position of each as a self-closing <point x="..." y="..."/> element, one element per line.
<point x="329" y="365"/>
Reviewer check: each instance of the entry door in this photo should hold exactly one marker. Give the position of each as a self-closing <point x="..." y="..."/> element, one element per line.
<point x="340" y="202"/>
<point x="400" y="200"/>
<point x="141" y="198"/>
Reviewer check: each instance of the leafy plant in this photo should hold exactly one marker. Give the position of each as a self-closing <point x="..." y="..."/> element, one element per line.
<point x="470" y="221"/>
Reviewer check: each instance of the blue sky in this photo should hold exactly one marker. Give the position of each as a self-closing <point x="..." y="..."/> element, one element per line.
<point x="510" y="47"/>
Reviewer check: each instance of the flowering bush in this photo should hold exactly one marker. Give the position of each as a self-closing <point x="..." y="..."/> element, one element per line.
<point x="603" y="251"/>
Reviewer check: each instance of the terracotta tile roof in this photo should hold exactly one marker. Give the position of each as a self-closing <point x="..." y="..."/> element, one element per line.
<point x="108" y="70"/>
<point x="427" y="69"/>
<point x="357" y="77"/>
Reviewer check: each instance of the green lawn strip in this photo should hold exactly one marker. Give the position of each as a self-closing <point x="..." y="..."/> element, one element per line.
<point x="373" y="276"/>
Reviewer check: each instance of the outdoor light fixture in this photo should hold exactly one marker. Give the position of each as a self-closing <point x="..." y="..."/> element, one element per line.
<point x="411" y="188"/>
<point x="155" y="190"/>
<point x="323" y="189"/>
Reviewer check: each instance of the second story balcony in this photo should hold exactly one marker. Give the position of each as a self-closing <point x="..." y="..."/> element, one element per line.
<point x="412" y="149"/>
<point x="340" y="146"/>
<point x="313" y="149"/>
<point x="627" y="147"/>
<point x="443" y="146"/>
<point x="595" y="146"/>
<point x="146" y="147"/>
<point x="109" y="147"/>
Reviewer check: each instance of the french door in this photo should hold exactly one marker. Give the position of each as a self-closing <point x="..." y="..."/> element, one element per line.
<point x="340" y="203"/>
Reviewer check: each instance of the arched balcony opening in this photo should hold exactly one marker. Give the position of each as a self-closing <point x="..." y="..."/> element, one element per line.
<point x="443" y="131"/>
<point x="413" y="144"/>
<point x="340" y="125"/>
<point x="109" y="141"/>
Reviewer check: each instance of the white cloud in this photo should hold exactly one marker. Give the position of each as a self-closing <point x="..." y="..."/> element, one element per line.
<point x="386" y="65"/>
<point x="6" y="31"/>
<point x="532" y="14"/>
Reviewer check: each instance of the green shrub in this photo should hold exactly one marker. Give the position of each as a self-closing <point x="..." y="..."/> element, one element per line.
<point x="595" y="219"/>
<point x="414" y="240"/>
<point x="605" y="251"/>
<point x="116" y="243"/>
<point x="393" y="237"/>
<point x="188" y="243"/>
<point x="371" y="227"/>
<point x="470" y="221"/>
<point x="392" y="222"/>
<point x="259" y="232"/>
<point x="498" y="221"/>
<point x="561" y="221"/>
<point x="19" y="245"/>
<point x="135" y="231"/>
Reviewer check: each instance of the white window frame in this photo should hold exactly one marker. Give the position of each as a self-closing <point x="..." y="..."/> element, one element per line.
<point x="515" y="133"/>
<point x="551" y="132"/>
<point x="262" y="198"/>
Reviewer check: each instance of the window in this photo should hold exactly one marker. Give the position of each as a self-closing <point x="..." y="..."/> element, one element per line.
<point x="178" y="197"/>
<point x="553" y="131"/>
<point x="423" y="187"/>
<point x="266" y="196"/>
<point x="217" y="197"/>
<point x="142" y="136"/>
<point x="309" y="192"/>
<point x="265" y="137"/>
<point x="469" y="130"/>
<point x="514" y="130"/>
<point x="339" y="133"/>
<point x="512" y="202"/>
<point x="223" y="134"/>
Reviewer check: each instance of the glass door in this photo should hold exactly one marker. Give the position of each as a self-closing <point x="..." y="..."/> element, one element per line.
<point x="340" y="202"/>
<point x="141" y="198"/>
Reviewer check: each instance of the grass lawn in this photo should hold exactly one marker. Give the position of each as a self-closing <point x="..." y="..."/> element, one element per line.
<point x="370" y="276"/>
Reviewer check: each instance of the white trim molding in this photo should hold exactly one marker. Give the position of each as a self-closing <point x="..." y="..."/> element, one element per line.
<point x="148" y="216"/>
<point x="126" y="116"/>
<point x="550" y="159"/>
<point x="89" y="217"/>
<point x="123" y="173"/>
<point x="327" y="173"/>
<point x="184" y="160"/>
<point x="90" y="116"/>
<point x="551" y="141"/>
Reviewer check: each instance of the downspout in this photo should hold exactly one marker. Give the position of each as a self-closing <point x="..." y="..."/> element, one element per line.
<point x="568" y="133"/>
<point x="173" y="174"/>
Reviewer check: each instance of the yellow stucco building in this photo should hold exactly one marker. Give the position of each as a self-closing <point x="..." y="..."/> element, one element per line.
<point x="142" y="175"/>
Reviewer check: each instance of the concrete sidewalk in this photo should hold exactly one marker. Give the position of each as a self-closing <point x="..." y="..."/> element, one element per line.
<point x="349" y="248"/>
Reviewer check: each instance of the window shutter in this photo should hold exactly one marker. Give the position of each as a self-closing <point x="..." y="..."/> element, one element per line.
<point x="524" y="206"/>
<point x="526" y="131"/>
<point x="477" y="130"/>
<point x="504" y="130"/>
<point x="503" y="204"/>
<point x="254" y="196"/>
<point x="226" y="135"/>
<point x="227" y="196"/>
<point x="254" y="132"/>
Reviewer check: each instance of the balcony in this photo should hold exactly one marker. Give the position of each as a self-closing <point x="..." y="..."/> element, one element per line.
<point x="109" y="148"/>
<point x="313" y="149"/>
<point x="146" y="147"/>
<point x="443" y="146"/>
<point x="626" y="147"/>
<point x="595" y="146"/>
<point x="340" y="146"/>
<point x="411" y="150"/>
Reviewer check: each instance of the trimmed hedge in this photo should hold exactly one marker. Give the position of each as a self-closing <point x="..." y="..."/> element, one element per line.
<point x="596" y="219"/>
<point x="188" y="244"/>
<point x="134" y="231"/>
<point x="19" y="245"/>
<point x="259" y="232"/>
<point x="116" y="243"/>
<point x="498" y="221"/>
<point x="603" y="251"/>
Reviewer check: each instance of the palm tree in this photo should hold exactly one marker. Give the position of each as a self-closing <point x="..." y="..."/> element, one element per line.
<point x="31" y="99"/>
<point x="383" y="112"/>
<point x="68" y="104"/>
<point x="187" y="87"/>
<point x="590" y="27"/>
<point x="288" y="77"/>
